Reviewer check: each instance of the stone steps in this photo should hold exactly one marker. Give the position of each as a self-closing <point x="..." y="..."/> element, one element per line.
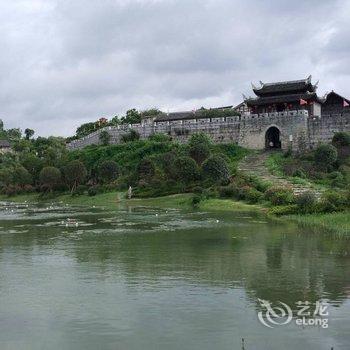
<point x="254" y="165"/>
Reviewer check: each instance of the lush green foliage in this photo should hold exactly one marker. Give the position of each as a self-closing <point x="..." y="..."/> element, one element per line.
<point x="199" y="147"/>
<point x="154" y="167"/>
<point x="325" y="156"/>
<point x="108" y="171"/>
<point x="327" y="166"/>
<point x="341" y="139"/>
<point x="186" y="169"/>
<point x="50" y="177"/>
<point x="130" y="136"/>
<point x="74" y="174"/>
<point x="146" y="169"/>
<point x="104" y="137"/>
<point x="215" y="168"/>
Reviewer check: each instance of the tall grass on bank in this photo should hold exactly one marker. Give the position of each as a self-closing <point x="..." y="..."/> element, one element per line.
<point x="332" y="222"/>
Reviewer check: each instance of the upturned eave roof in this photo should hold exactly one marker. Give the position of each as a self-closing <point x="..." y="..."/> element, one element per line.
<point x="268" y="100"/>
<point x="283" y="87"/>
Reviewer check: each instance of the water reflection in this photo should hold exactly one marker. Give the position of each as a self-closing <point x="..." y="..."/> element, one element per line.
<point x="148" y="258"/>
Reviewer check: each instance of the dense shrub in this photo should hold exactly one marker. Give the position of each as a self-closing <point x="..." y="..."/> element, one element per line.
<point x="49" y="178"/>
<point x="341" y="139"/>
<point x="299" y="173"/>
<point x="334" y="201"/>
<point x="284" y="210"/>
<point x="104" y="137"/>
<point x="93" y="190"/>
<point x="242" y="192"/>
<point x="215" y="168"/>
<point x="196" y="199"/>
<point x="80" y="190"/>
<point x="325" y="156"/>
<point x="259" y="184"/>
<point x="337" y="179"/>
<point x="229" y="191"/>
<point x="306" y="201"/>
<point x="146" y="169"/>
<point x="21" y="176"/>
<point x="211" y="192"/>
<point x="253" y="196"/>
<point x="11" y="190"/>
<point x="279" y="195"/>
<point x="199" y="147"/>
<point x="74" y="174"/>
<point x="186" y="169"/>
<point x="132" y="135"/>
<point x="160" y="138"/>
<point x="28" y="188"/>
<point x="108" y="171"/>
<point x="198" y="190"/>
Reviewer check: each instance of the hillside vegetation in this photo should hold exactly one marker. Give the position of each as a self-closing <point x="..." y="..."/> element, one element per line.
<point x="160" y="166"/>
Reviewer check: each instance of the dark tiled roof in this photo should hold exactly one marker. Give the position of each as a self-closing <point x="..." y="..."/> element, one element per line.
<point x="198" y="114"/>
<point x="177" y="116"/>
<point x="285" y="87"/>
<point x="335" y="94"/>
<point x="281" y="99"/>
<point x="4" y="144"/>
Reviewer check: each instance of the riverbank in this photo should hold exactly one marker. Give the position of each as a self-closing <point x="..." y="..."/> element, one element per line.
<point x="335" y="222"/>
<point x="111" y="200"/>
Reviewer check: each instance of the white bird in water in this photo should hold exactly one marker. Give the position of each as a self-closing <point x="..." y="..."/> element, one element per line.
<point x="157" y="214"/>
<point x="72" y="222"/>
<point x="217" y="220"/>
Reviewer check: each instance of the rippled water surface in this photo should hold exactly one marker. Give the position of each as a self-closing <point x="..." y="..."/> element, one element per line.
<point x="143" y="278"/>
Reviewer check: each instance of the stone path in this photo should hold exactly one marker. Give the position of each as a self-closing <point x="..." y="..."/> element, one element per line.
<point x="254" y="165"/>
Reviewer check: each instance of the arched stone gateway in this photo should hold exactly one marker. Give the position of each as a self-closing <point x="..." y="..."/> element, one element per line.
<point x="272" y="138"/>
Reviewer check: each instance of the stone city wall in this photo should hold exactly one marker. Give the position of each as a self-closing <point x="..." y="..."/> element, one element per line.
<point x="321" y="130"/>
<point x="297" y="129"/>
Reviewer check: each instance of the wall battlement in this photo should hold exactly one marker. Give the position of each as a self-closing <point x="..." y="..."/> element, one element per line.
<point x="297" y="129"/>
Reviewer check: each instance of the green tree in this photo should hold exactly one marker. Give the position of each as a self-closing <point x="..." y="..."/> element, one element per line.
<point x="6" y="177"/>
<point x="22" y="146"/>
<point x="132" y="117"/>
<point x="50" y="177"/>
<point x="132" y="135"/>
<point x="185" y="169"/>
<point x="146" y="169"/>
<point x="199" y="147"/>
<point x="32" y="163"/>
<point x="29" y="133"/>
<point x="21" y="176"/>
<point x="85" y="129"/>
<point x="74" y="174"/>
<point x="341" y="140"/>
<point x="115" y="121"/>
<point x="104" y="137"/>
<point x="325" y="156"/>
<point x="108" y="171"/>
<point x="216" y="168"/>
<point x="14" y="134"/>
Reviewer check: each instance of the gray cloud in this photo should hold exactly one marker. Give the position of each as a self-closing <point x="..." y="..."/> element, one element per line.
<point x="67" y="62"/>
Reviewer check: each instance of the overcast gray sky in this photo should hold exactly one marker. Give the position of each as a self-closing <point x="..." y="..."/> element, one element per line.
<point x="66" y="62"/>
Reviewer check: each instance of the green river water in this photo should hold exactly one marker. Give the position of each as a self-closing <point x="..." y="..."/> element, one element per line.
<point x="147" y="278"/>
